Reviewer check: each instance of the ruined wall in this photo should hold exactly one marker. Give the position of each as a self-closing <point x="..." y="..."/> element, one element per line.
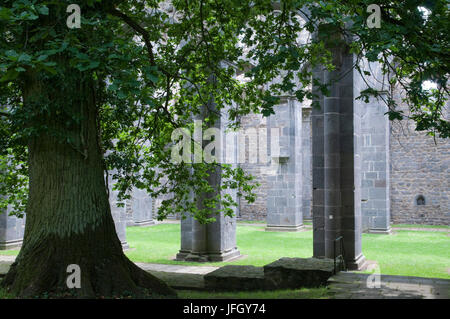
<point x="419" y="166"/>
<point x="256" y="211"/>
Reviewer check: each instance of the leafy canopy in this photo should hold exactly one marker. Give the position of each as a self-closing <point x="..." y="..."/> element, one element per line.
<point x="155" y="65"/>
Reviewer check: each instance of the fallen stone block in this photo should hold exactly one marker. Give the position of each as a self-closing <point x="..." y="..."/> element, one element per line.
<point x="293" y="273"/>
<point x="233" y="277"/>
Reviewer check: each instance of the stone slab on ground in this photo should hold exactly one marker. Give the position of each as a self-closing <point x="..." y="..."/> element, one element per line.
<point x="349" y="285"/>
<point x="234" y="277"/>
<point x="7" y="258"/>
<point x="292" y="273"/>
<point x="180" y="280"/>
<point x="200" y="270"/>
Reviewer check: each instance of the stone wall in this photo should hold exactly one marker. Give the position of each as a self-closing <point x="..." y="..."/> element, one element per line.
<point x="258" y="210"/>
<point x="420" y="165"/>
<point x="284" y="196"/>
<point x="399" y="164"/>
<point x="11" y="231"/>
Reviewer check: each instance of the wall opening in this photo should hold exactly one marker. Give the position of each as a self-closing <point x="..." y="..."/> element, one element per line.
<point x="420" y="200"/>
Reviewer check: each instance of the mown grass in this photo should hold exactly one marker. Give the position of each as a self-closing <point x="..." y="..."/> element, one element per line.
<point x="304" y="293"/>
<point x="4" y="294"/>
<point x="408" y="253"/>
<point x="10" y="252"/>
<point x="160" y="244"/>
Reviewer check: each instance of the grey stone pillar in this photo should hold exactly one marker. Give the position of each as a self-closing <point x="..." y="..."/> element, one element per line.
<point x="336" y="165"/>
<point x="141" y="208"/>
<point x="11" y="231"/>
<point x="318" y="181"/>
<point x="307" y="164"/>
<point x="118" y="213"/>
<point x="214" y="241"/>
<point x="284" y="196"/>
<point x="375" y="131"/>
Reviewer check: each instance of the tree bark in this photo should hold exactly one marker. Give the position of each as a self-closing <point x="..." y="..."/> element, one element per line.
<point x="68" y="216"/>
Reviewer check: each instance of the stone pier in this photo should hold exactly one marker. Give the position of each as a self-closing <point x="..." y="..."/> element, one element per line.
<point x="11" y="231"/>
<point x="307" y="164"/>
<point x="215" y="241"/>
<point x="375" y="156"/>
<point x="336" y="164"/>
<point x="284" y="200"/>
<point x="141" y="209"/>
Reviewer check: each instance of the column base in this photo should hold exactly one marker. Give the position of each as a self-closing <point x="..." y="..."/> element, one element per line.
<point x="289" y="228"/>
<point x="358" y="264"/>
<point x="141" y="223"/>
<point x="208" y="257"/>
<point x="384" y="231"/>
<point x="125" y="245"/>
<point x="11" y="244"/>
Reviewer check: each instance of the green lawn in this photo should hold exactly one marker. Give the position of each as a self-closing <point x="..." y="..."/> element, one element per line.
<point x="304" y="293"/>
<point x="409" y="253"/>
<point x="160" y="244"/>
<point x="11" y="252"/>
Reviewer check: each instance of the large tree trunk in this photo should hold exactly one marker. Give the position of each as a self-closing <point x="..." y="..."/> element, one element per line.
<point x="68" y="217"/>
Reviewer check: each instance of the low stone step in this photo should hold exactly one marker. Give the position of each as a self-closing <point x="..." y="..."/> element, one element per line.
<point x="293" y="273"/>
<point x="234" y="277"/>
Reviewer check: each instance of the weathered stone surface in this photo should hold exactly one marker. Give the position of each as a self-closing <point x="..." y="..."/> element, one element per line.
<point x="11" y="230"/>
<point x="4" y="268"/>
<point x="347" y="285"/>
<point x="215" y="241"/>
<point x="298" y="272"/>
<point x="375" y="174"/>
<point x="180" y="280"/>
<point x="336" y="127"/>
<point x="419" y="165"/>
<point x="233" y="277"/>
<point x="140" y="209"/>
<point x="284" y="201"/>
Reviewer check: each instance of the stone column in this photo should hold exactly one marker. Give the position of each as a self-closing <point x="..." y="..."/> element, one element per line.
<point x="307" y="164"/>
<point x="336" y="165"/>
<point x="284" y="196"/>
<point x="215" y="241"/>
<point x="141" y="208"/>
<point x="11" y="231"/>
<point x="318" y="182"/>
<point x="375" y="131"/>
<point x="118" y="213"/>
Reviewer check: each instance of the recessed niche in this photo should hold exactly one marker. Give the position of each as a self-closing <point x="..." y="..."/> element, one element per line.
<point x="420" y="200"/>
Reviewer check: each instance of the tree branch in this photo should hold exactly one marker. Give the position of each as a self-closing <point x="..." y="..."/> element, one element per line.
<point x="136" y="27"/>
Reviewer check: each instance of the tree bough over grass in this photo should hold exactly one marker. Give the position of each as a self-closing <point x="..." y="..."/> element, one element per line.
<point x="77" y="103"/>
